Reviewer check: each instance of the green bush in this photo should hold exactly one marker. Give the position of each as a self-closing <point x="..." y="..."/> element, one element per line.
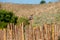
<point x="7" y="17"/>
<point x="23" y="20"/>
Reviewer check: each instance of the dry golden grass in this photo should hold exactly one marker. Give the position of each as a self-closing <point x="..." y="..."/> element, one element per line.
<point x="35" y="9"/>
<point x="28" y="9"/>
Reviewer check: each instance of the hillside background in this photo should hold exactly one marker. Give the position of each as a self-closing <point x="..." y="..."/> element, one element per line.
<point x="38" y="10"/>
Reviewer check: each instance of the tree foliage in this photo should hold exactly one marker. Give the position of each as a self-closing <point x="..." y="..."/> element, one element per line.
<point x="7" y="17"/>
<point x="42" y="2"/>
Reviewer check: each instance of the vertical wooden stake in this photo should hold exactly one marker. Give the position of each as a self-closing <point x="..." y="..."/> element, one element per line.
<point x="22" y="32"/>
<point x="52" y="31"/>
<point x="4" y="34"/>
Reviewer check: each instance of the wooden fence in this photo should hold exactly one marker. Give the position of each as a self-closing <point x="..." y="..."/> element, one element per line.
<point x="45" y="32"/>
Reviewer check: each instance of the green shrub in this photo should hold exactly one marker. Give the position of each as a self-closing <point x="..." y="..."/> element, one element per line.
<point x="7" y="17"/>
<point x="23" y="20"/>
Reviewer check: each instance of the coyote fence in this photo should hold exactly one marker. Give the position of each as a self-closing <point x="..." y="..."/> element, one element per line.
<point x="19" y="32"/>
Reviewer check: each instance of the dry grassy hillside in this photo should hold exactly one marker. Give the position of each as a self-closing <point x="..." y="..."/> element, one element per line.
<point x="28" y="9"/>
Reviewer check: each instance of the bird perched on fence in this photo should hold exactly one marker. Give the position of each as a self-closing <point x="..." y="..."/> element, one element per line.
<point x="31" y="17"/>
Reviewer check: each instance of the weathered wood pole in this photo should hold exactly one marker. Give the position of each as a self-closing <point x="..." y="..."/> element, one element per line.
<point x="34" y="37"/>
<point x="22" y="31"/>
<point x="5" y="35"/>
<point x="49" y="31"/>
<point x="9" y="32"/>
<point x="41" y="33"/>
<point x="13" y="31"/>
<point x="30" y="32"/>
<point x="45" y="32"/>
<point x="1" y="34"/>
<point x="19" y="32"/>
<point x="26" y="37"/>
<point x="53" y="31"/>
